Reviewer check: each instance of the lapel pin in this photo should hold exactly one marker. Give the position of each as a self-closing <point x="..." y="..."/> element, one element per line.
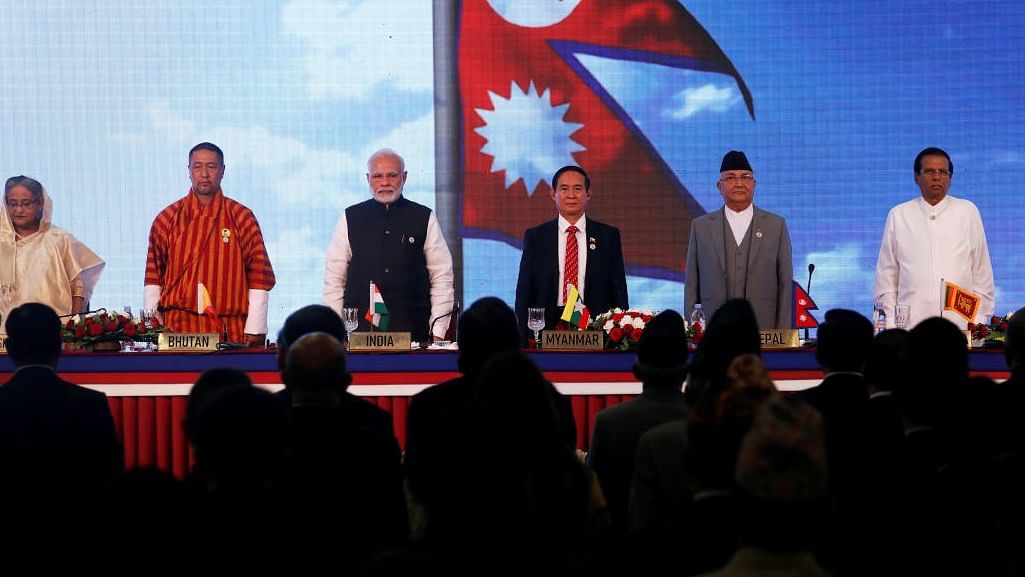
<point x="225" y="235"/>
<point x="593" y="243"/>
<point x="758" y="233"/>
<point x="411" y="240"/>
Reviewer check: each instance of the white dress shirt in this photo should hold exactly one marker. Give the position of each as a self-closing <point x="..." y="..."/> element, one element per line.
<point x="439" y="271"/>
<point x="581" y="235"/>
<point x="739" y="221"/>
<point x="922" y="246"/>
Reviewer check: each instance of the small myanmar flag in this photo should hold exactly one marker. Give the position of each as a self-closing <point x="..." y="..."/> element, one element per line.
<point x="575" y="313"/>
<point x="204" y="306"/>
<point x="377" y="312"/>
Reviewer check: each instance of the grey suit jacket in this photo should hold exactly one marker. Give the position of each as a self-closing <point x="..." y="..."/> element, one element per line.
<point x="769" y="268"/>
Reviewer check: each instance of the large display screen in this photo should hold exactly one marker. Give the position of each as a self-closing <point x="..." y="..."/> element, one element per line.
<point x="102" y="100"/>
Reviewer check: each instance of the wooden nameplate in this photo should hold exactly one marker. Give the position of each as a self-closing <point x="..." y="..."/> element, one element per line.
<point x="380" y="341"/>
<point x="572" y="340"/>
<point x="779" y="339"/>
<point x="187" y="342"/>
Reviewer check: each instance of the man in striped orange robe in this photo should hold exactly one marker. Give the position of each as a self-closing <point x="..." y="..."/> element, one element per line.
<point x="208" y="238"/>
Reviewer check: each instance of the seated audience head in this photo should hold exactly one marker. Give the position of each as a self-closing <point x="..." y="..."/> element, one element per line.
<point x="1014" y="341"/>
<point x="732" y="331"/>
<point x="662" y="352"/>
<point x="781" y="476"/>
<point x="887" y="363"/>
<point x="309" y="319"/>
<point x="239" y="439"/>
<point x="518" y="400"/>
<point x="315" y="368"/>
<point x="211" y="381"/>
<point x="938" y="359"/>
<point x="33" y="335"/>
<point x="843" y="341"/>
<point x="487" y="328"/>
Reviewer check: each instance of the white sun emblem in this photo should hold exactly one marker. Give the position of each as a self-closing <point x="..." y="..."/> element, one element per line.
<point x="527" y="136"/>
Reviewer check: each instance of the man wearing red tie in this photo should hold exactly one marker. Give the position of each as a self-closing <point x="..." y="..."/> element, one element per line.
<point x="570" y="250"/>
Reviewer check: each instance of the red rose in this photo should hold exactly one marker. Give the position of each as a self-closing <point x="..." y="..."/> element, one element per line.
<point x="95" y="330"/>
<point x="637" y="334"/>
<point x="696" y="338"/>
<point x="89" y="320"/>
<point x="142" y="328"/>
<point x="130" y="329"/>
<point x="616" y="317"/>
<point x="628" y="330"/>
<point x="103" y="317"/>
<point x="80" y="331"/>
<point x="616" y="334"/>
<point x="983" y="331"/>
<point x="645" y="318"/>
<point x="112" y="326"/>
<point x="697" y="328"/>
<point x="994" y="320"/>
<point x="1003" y="326"/>
<point x="70" y="324"/>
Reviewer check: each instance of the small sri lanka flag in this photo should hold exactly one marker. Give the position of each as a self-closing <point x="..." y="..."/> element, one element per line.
<point x="204" y="306"/>
<point x="377" y="312"/>
<point x="575" y="313"/>
<point x="961" y="301"/>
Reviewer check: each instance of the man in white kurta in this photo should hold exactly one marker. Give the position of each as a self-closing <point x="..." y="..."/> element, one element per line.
<point x="933" y="238"/>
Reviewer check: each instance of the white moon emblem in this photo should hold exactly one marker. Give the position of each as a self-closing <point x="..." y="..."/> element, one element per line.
<point x="535" y="13"/>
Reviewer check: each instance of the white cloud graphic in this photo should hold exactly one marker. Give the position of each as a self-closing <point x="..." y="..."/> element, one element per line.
<point x="353" y="46"/>
<point x="843" y="278"/>
<point x="709" y="97"/>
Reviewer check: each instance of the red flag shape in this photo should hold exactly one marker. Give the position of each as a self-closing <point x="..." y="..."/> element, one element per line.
<point x="529" y="106"/>
<point x="802" y="304"/>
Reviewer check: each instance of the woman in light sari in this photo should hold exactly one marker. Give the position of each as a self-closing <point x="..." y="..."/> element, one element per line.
<point x="40" y="262"/>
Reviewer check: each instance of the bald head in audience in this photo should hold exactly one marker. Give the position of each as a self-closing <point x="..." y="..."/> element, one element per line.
<point x="315" y="368"/>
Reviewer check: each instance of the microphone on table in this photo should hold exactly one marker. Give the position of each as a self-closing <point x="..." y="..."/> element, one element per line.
<point x="430" y="333"/>
<point x="811" y="268"/>
<point x="225" y="344"/>
<point x="83" y="313"/>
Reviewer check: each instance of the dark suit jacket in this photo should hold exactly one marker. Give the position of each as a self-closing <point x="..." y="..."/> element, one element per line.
<point x="769" y="268"/>
<point x="538" y="283"/>
<point x="59" y="452"/>
<point x="614" y="442"/>
<point x="49" y="426"/>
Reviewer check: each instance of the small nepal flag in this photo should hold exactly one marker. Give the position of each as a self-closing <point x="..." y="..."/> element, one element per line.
<point x="961" y="301"/>
<point x="204" y="306"/>
<point x="575" y="313"/>
<point x="377" y="312"/>
<point x="802" y="304"/>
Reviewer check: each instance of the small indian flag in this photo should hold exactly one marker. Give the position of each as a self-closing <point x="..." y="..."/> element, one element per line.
<point x="377" y="312"/>
<point x="575" y="313"/>
<point x="204" y="306"/>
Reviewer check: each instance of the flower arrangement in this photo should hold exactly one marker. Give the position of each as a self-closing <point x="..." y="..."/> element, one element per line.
<point x="623" y="329"/>
<point x="86" y="331"/>
<point x="695" y="332"/>
<point x="993" y="331"/>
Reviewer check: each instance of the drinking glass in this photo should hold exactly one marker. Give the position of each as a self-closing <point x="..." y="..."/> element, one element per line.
<point x="147" y="317"/>
<point x="902" y="316"/>
<point x="536" y="321"/>
<point x="350" y="316"/>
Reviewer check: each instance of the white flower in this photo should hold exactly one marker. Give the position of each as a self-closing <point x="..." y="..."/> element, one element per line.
<point x="626" y="320"/>
<point x="608" y="325"/>
<point x="638" y="323"/>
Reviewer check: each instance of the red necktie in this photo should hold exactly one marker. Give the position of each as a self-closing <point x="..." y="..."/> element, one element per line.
<point x="570" y="268"/>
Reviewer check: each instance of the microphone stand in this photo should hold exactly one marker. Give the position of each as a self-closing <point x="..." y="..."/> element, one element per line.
<point x="430" y="333"/>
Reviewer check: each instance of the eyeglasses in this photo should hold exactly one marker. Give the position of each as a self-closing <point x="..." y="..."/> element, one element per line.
<point x="944" y="174"/>
<point x="13" y="204"/>
<point x="744" y="178"/>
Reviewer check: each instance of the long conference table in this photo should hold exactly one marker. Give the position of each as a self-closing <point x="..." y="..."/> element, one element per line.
<point x="147" y="391"/>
